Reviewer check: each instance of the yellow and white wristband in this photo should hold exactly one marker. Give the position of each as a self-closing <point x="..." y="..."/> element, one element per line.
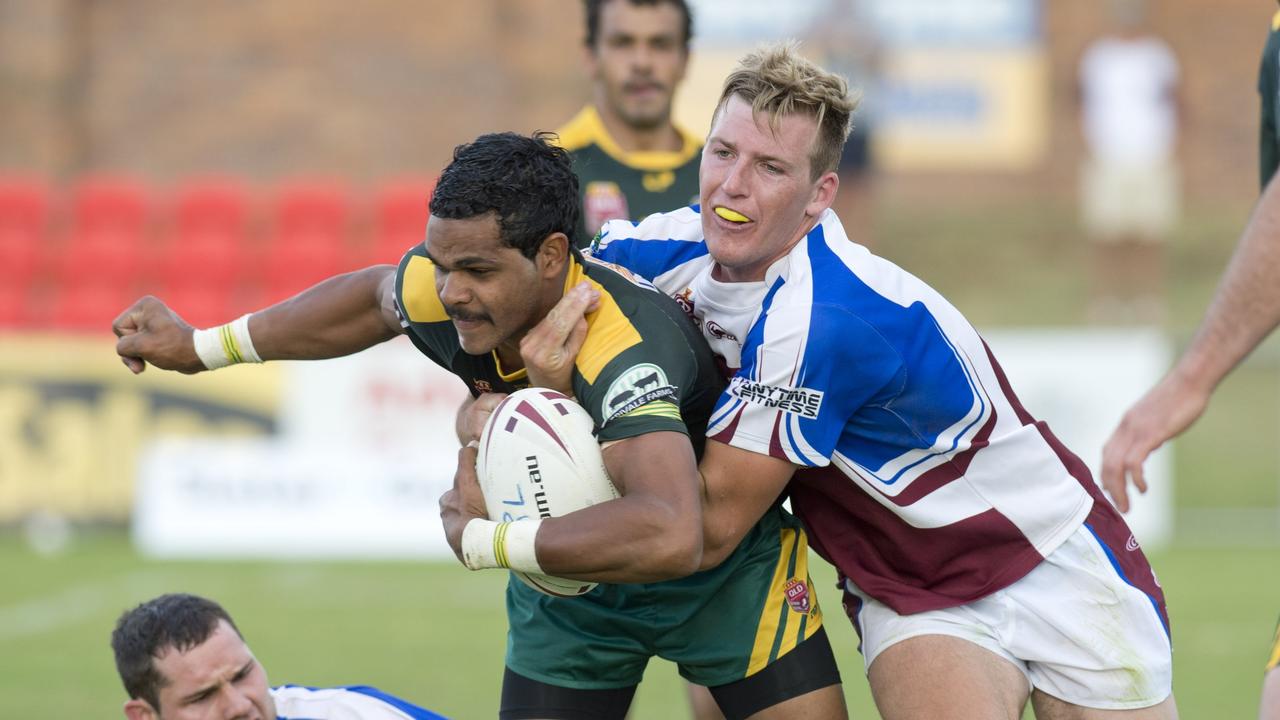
<point x="488" y="544"/>
<point x="226" y="344"/>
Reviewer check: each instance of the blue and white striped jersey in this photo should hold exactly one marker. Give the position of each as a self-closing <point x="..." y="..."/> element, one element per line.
<point x="352" y="702"/>
<point x="921" y="477"/>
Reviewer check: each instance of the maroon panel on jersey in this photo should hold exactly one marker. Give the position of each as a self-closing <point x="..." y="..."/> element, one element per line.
<point x="909" y="569"/>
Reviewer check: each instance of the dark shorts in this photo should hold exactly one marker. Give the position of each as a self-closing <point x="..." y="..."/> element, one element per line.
<point x="718" y="626"/>
<point x="811" y="666"/>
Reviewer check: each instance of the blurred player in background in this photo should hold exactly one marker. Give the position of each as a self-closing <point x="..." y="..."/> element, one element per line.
<point x="181" y="656"/>
<point x="1129" y="196"/>
<point x="1244" y="311"/>
<point x="981" y="565"/>
<point x="630" y="158"/>
<point x="496" y="259"/>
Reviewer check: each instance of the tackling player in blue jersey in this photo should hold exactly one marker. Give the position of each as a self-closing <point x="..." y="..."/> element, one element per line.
<point x="181" y="657"/>
<point x="981" y="565"/>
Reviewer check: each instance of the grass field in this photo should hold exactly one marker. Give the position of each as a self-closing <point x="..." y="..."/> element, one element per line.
<point x="435" y="633"/>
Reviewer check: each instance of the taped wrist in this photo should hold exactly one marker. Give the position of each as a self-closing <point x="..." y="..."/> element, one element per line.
<point x="225" y="345"/>
<point x="489" y="544"/>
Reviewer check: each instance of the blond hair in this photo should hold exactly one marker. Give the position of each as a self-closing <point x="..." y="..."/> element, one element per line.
<point x="778" y="82"/>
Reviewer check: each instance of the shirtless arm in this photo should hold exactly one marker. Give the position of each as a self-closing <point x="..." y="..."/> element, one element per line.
<point x="340" y="316"/>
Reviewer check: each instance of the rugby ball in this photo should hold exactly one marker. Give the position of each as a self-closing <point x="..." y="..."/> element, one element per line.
<point x="539" y="458"/>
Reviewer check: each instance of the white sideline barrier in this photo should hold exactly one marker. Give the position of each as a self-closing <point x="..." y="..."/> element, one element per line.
<point x="367" y="446"/>
<point x="260" y="498"/>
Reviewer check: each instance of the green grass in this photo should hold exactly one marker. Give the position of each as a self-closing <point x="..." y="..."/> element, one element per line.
<point x="435" y="633"/>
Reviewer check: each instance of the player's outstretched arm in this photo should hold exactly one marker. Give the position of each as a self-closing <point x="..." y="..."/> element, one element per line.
<point x="652" y="533"/>
<point x="340" y="316"/>
<point x="1245" y="309"/>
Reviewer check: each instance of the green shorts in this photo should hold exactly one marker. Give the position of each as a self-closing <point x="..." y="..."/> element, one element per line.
<point x="718" y="626"/>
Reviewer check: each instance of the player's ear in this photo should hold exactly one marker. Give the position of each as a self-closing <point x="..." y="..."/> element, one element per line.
<point x="824" y="193"/>
<point x="553" y="254"/>
<point x="139" y="709"/>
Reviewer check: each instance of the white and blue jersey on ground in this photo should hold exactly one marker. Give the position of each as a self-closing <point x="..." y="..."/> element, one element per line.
<point x="351" y="702"/>
<point x="921" y="476"/>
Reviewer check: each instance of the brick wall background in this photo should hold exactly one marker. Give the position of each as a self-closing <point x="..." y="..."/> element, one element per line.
<point x="385" y="87"/>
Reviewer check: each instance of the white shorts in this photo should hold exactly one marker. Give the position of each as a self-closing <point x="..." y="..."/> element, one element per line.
<point x="1129" y="200"/>
<point x="1074" y="626"/>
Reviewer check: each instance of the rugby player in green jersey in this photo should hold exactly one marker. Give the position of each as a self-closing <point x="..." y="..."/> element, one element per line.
<point x="630" y="158"/>
<point x="496" y="259"/>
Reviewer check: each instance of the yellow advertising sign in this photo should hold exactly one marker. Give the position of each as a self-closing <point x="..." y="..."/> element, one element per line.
<point x="73" y="419"/>
<point x="964" y="109"/>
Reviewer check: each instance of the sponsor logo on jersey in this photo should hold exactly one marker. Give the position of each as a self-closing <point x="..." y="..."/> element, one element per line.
<point x="719" y="333"/>
<point x="603" y="201"/>
<point x="482" y="386"/>
<point x="797" y="401"/>
<point x="684" y="299"/>
<point x="797" y="592"/>
<point x="638" y="386"/>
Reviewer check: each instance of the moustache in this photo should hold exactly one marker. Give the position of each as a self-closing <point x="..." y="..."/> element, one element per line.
<point x="463" y="315"/>
<point x="636" y="85"/>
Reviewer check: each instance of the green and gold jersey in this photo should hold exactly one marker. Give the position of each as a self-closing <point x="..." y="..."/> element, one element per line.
<point x="643" y="368"/>
<point x="616" y="184"/>
<point x="1269" y="92"/>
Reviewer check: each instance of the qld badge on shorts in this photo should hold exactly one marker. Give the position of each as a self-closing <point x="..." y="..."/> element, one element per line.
<point x="797" y="592"/>
<point x="602" y="201"/>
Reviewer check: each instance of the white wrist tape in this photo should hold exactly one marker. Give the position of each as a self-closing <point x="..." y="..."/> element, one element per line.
<point x="226" y="344"/>
<point x="489" y="544"/>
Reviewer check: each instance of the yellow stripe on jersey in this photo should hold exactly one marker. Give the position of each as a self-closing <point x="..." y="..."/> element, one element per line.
<point x="660" y="408"/>
<point x="778" y="634"/>
<point x="609" y="331"/>
<point x="419" y="300"/>
<point x="1274" y="661"/>
<point x="586" y="128"/>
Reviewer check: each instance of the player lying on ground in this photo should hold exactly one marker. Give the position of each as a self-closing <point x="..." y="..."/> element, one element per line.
<point x="982" y="566"/>
<point x="497" y="257"/>
<point x="181" y="657"/>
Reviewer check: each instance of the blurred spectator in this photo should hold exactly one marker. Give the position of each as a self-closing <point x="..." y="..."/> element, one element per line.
<point x="844" y="40"/>
<point x="1128" y="89"/>
<point x="630" y="158"/>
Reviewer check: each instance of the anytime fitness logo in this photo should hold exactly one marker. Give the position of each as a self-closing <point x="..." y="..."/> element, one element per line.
<point x="797" y="401"/>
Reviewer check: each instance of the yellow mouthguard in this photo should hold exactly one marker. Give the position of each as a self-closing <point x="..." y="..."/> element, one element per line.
<point x="731" y="215"/>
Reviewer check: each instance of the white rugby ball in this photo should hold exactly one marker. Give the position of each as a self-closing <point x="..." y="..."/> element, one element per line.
<point x="538" y="458"/>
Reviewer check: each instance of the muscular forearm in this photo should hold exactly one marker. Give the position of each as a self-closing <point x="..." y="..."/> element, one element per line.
<point x="628" y="540"/>
<point x="340" y="316"/>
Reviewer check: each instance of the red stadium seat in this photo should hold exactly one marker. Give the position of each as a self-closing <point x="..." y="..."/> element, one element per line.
<point x="400" y="218"/>
<point x="14" y="308"/>
<point x="308" y="238"/>
<point x="24" y="228"/>
<point x="202" y="305"/>
<point x="211" y="206"/>
<point x="89" y="306"/>
<point x="207" y="239"/>
<point x="108" y="241"/>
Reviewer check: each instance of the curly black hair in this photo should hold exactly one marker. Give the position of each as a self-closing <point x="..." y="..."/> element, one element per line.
<point x="593" y="18"/>
<point x="527" y="182"/>
<point x="178" y="621"/>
